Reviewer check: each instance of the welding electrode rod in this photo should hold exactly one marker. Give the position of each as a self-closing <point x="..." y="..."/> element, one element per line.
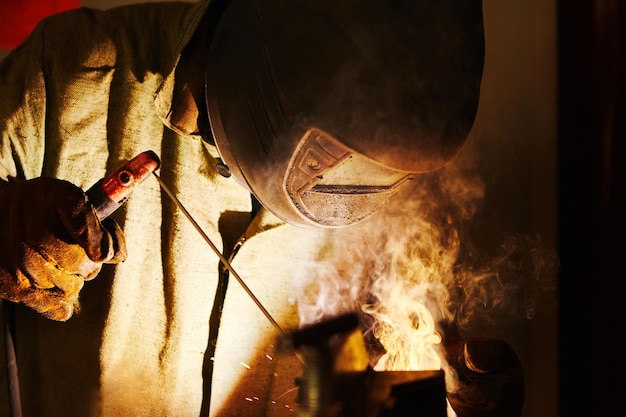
<point x="218" y="253"/>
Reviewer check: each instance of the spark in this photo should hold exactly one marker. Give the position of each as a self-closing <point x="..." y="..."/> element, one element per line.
<point x="283" y="394"/>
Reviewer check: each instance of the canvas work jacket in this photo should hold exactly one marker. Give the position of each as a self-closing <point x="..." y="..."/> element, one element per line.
<point x="167" y="332"/>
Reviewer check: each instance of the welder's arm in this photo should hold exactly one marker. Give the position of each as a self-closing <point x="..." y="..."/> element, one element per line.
<point x="490" y="378"/>
<point x="51" y="241"/>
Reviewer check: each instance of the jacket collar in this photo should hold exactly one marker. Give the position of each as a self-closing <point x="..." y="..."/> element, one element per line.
<point x="179" y="100"/>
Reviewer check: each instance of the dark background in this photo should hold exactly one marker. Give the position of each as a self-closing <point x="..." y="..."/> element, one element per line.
<point x="592" y="170"/>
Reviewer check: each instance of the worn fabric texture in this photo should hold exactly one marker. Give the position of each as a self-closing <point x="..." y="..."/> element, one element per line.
<point x="87" y="91"/>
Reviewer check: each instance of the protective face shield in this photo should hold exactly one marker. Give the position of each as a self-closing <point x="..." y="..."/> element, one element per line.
<point x="323" y="108"/>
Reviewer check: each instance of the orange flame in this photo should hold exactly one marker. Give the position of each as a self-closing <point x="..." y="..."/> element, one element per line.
<point x="409" y="268"/>
<point x="395" y="268"/>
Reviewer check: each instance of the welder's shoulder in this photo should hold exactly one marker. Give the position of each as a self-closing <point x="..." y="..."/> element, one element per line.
<point x="141" y="32"/>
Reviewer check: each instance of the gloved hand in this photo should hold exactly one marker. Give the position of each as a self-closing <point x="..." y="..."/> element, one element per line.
<point x="489" y="377"/>
<point x="51" y="241"/>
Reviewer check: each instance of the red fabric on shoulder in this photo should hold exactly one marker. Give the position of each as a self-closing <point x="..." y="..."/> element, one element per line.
<point x="18" y="18"/>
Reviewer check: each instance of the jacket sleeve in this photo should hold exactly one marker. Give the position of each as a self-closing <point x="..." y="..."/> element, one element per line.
<point x="23" y="109"/>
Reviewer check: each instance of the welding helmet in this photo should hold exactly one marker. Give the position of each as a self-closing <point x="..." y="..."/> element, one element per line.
<point x="324" y="108"/>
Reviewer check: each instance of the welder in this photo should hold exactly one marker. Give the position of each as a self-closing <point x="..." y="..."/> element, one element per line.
<point x="277" y="123"/>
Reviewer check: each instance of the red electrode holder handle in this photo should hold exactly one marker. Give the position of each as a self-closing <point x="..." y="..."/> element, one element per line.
<point x="111" y="192"/>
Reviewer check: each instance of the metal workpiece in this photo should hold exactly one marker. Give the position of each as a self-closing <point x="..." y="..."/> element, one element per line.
<point x="339" y="382"/>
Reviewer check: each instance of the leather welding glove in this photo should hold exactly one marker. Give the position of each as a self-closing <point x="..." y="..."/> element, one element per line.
<point x="490" y="378"/>
<point x="51" y="241"/>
